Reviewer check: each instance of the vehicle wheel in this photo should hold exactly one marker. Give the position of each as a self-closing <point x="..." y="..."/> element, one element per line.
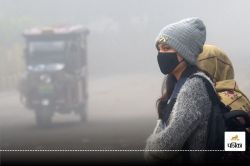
<point x="43" y="118"/>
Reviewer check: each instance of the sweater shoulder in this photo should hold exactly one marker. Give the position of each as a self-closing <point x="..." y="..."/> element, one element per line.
<point x="197" y="83"/>
<point x="195" y="87"/>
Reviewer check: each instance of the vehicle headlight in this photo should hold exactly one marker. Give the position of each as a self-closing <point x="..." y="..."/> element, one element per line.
<point x="46" y="78"/>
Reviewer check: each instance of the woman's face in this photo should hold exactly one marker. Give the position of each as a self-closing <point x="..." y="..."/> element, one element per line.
<point x="178" y="69"/>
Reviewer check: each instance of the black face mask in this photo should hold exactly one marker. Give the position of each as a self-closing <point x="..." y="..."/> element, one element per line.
<point x="167" y="61"/>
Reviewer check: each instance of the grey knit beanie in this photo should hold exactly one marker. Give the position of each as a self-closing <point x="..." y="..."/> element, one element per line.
<point x="187" y="37"/>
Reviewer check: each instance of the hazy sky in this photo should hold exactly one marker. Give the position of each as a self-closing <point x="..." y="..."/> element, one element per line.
<point x="123" y="31"/>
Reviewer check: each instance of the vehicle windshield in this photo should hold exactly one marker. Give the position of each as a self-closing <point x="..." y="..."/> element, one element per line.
<point x="46" y="52"/>
<point x="46" y="46"/>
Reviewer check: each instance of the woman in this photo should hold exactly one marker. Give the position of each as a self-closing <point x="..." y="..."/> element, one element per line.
<point x="184" y="106"/>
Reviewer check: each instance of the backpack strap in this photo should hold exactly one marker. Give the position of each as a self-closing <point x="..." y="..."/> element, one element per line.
<point x="216" y="124"/>
<point x="229" y="116"/>
<point x="210" y="89"/>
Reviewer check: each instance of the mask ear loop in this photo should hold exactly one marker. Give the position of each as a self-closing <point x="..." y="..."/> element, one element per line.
<point x="181" y="61"/>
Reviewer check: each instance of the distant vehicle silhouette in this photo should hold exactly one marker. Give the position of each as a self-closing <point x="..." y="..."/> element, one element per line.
<point x="55" y="79"/>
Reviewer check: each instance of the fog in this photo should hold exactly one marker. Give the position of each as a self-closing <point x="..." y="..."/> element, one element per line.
<point x="124" y="79"/>
<point x="123" y="32"/>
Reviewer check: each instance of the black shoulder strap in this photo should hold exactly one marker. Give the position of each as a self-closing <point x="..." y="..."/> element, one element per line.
<point x="228" y="115"/>
<point x="216" y="123"/>
<point x="210" y="89"/>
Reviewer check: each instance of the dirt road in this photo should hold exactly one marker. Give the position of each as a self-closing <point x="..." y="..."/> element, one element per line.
<point x="121" y="115"/>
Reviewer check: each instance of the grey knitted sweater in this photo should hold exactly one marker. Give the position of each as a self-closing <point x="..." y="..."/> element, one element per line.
<point x="187" y="124"/>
